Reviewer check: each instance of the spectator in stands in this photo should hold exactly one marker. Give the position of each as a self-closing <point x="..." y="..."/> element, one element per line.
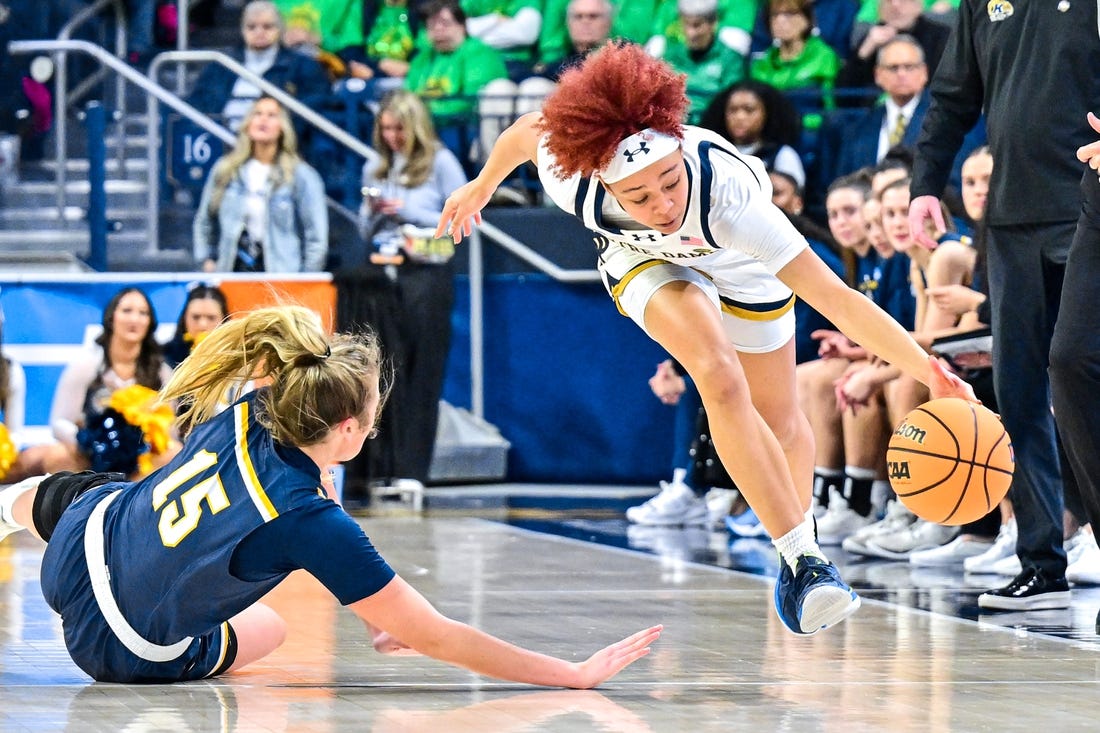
<point x="205" y="307"/>
<point x="98" y="387"/>
<point x="414" y="175"/>
<point x="633" y="21"/>
<point x="895" y="16"/>
<point x="851" y="140"/>
<point x="833" y="20"/>
<point x="502" y="100"/>
<point x="512" y="27"/>
<point x="587" y="26"/>
<point x="735" y="20"/>
<point x="798" y="60"/>
<point x="787" y="193"/>
<point x="759" y="121"/>
<point x="329" y="31"/>
<point x="455" y="66"/>
<point x="708" y="64"/>
<point x="333" y="25"/>
<point x="389" y="45"/>
<point x="262" y="208"/>
<point x="630" y="22"/>
<point x="219" y="91"/>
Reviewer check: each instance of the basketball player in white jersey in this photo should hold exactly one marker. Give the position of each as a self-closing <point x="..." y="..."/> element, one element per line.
<point x="692" y="249"/>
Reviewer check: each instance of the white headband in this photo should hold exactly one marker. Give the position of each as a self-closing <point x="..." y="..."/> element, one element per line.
<point x="636" y="152"/>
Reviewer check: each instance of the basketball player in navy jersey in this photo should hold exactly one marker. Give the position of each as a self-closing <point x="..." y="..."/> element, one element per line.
<point x="692" y="249"/>
<point x="159" y="580"/>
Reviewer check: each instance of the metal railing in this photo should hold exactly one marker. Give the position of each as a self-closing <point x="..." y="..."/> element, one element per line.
<point x="157" y="94"/>
<point x="63" y="95"/>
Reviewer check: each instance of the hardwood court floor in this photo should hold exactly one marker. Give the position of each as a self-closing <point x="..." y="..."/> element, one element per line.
<point x="724" y="662"/>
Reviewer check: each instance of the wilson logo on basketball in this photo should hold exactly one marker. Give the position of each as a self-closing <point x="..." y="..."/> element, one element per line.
<point x="899" y="470"/>
<point x="911" y="432"/>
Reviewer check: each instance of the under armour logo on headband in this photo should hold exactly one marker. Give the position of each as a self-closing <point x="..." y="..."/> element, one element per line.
<point x="642" y="149"/>
<point x="636" y="152"/>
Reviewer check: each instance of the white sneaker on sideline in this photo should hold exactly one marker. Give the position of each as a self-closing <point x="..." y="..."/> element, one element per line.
<point x="897" y="518"/>
<point x="676" y="504"/>
<point x="719" y="503"/>
<point x="1003" y="546"/>
<point x="839" y="520"/>
<point x="1084" y="561"/>
<point x="950" y="555"/>
<point x="920" y="535"/>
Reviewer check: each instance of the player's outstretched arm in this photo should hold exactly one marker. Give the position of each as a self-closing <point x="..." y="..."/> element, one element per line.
<point x="402" y="612"/>
<point x="868" y="325"/>
<point x="515" y="146"/>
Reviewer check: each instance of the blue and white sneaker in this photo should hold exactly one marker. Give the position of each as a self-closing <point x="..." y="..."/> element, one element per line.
<point x="814" y="597"/>
<point x="746" y="524"/>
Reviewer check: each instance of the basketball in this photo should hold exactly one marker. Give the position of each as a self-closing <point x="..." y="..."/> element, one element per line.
<point x="950" y="461"/>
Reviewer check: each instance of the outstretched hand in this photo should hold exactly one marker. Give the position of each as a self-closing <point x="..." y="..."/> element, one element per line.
<point x="463" y="210"/>
<point x="609" y="661"/>
<point x="944" y="383"/>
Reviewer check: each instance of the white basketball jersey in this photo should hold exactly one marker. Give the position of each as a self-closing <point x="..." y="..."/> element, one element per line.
<point x="732" y="232"/>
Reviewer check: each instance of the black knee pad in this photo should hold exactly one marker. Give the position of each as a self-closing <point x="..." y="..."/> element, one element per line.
<point x="57" y="491"/>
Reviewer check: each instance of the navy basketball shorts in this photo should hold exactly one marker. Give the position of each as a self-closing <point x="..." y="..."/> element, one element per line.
<point x="91" y="642"/>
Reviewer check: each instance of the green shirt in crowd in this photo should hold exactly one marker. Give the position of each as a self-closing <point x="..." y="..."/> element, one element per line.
<point x="707" y="75"/>
<point x="815" y="68"/>
<point x="339" y="23"/>
<point x="391" y="37"/>
<point x="731" y="14"/>
<point x="460" y="74"/>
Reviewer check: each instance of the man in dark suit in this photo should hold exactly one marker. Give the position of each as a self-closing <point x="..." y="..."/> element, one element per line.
<point x="220" y="91"/>
<point x="852" y="139"/>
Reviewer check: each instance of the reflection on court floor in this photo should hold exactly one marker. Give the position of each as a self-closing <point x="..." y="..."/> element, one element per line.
<point x="905" y="662"/>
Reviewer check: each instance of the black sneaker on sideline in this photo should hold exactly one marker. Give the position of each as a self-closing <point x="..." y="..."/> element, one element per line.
<point x="1031" y="590"/>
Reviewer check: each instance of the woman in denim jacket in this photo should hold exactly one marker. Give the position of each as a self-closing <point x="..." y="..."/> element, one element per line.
<point x="263" y="208"/>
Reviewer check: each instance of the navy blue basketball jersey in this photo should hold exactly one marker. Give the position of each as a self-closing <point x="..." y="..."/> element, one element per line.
<point x="169" y="540"/>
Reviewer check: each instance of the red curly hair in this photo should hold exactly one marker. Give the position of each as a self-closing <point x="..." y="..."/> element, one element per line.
<point x="618" y="90"/>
